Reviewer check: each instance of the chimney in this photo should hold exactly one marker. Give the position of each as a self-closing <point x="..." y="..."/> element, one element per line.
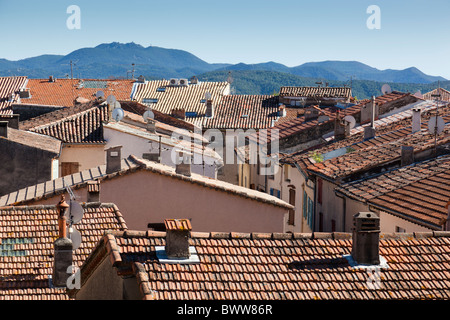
<point x="51" y="79"/>
<point x="63" y="248"/>
<point x="151" y="125"/>
<point x="177" y="238"/>
<point x="209" y="109"/>
<point x="416" y="120"/>
<point x="113" y="159"/>
<point x="366" y="238"/>
<point x="407" y="155"/>
<point x="282" y="110"/>
<point x="373" y="112"/>
<point x="369" y="133"/>
<point x="179" y="113"/>
<point x="93" y="191"/>
<point x="183" y="166"/>
<point x="341" y="128"/>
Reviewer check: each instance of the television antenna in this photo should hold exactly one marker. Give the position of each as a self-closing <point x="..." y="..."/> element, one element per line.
<point x="100" y="94"/>
<point x="73" y="215"/>
<point x="110" y="99"/>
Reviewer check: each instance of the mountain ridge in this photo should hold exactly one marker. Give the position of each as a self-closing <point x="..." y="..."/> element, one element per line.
<point x="121" y="60"/>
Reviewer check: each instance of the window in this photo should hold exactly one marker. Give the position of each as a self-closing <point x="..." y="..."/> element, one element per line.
<point x="320" y="221"/>
<point x="400" y="229"/>
<point x="333" y="225"/>
<point x="191" y="114"/>
<point x="291" y="220"/>
<point x="68" y="168"/>
<point x="319" y="190"/>
<point x="148" y="100"/>
<point x="161" y="89"/>
<point x="275" y="193"/>
<point x="308" y="210"/>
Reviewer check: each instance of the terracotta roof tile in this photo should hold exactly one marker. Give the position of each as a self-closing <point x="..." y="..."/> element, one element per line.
<point x="78" y="124"/>
<point x="63" y="92"/>
<point x="26" y="246"/>
<point x="417" y="193"/>
<point x="291" y="268"/>
<point x="10" y="92"/>
<point x="163" y="97"/>
<point x="244" y="112"/>
<point x="342" y="92"/>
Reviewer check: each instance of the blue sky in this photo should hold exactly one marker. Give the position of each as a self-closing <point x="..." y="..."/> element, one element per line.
<point x="292" y="32"/>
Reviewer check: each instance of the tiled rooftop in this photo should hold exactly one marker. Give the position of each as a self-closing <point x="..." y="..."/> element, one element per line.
<point x="343" y="92"/>
<point x="34" y="140"/>
<point x="418" y="193"/>
<point x="445" y="95"/>
<point x="236" y="266"/>
<point x="63" y="92"/>
<point x="81" y="123"/>
<point x="163" y="97"/>
<point x="10" y="86"/>
<point x="26" y="247"/>
<point x="379" y="150"/>
<point x="244" y="112"/>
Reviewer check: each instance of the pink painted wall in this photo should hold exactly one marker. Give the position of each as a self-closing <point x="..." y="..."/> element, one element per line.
<point x="144" y="197"/>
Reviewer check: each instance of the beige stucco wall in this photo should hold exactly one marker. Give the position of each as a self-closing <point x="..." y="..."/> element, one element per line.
<point x="88" y="156"/>
<point x="144" y="197"/>
<point x="389" y="222"/>
<point x="103" y="284"/>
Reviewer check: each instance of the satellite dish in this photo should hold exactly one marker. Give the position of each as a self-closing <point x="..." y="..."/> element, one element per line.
<point x="100" y="94"/>
<point x="148" y="115"/>
<point x="418" y="94"/>
<point x="207" y="95"/>
<point x="386" y="89"/>
<point x="75" y="212"/>
<point x="116" y="105"/>
<point x="322" y="119"/>
<point x="118" y="114"/>
<point x="436" y="125"/>
<point x="351" y="120"/>
<point x="111" y="99"/>
<point x="75" y="236"/>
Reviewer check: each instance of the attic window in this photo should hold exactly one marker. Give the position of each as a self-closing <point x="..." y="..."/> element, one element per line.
<point x="161" y="89"/>
<point x="148" y="100"/>
<point x="191" y="114"/>
<point x="203" y="101"/>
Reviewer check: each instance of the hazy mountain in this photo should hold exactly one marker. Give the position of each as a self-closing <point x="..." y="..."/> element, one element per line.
<point x="115" y="60"/>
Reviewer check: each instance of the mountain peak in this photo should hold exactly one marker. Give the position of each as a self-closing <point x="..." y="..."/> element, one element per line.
<point x="119" y="45"/>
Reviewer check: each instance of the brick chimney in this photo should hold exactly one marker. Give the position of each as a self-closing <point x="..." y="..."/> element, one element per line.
<point x="113" y="159"/>
<point x="366" y="238"/>
<point x="62" y="248"/>
<point x="407" y="155"/>
<point x="4" y="129"/>
<point x="177" y="238"/>
<point x="416" y="120"/>
<point x="93" y="191"/>
<point x="209" y="109"/>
